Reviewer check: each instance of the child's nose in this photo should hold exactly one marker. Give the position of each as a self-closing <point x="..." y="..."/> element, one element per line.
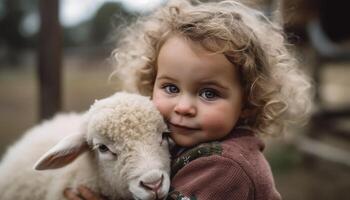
<point x="186" y="107"/>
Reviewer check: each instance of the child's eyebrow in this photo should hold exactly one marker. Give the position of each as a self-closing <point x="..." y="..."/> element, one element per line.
<point x="164" y="77"/>
<point x="213" y="83"/>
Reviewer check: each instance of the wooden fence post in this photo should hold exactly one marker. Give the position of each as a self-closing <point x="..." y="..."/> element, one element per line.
<point x="49" y="58"/>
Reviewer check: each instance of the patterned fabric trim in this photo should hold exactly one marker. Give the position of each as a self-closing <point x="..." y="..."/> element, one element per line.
<point x="175" y="195"/>
<point x="202" y="150"/>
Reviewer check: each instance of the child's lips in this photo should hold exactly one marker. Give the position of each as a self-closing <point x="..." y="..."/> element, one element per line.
<point x="181" y="128"/>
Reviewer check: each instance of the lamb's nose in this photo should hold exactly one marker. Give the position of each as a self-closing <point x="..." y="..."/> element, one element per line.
<point x="152" y="185"/>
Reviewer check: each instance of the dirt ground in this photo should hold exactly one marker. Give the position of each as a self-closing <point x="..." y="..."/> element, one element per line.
<point x="85" y="80"/>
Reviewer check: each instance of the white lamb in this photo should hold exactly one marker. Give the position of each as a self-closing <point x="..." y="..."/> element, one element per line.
<point x="126" y="155"/>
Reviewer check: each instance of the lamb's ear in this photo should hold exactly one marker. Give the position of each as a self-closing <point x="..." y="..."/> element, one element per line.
<point x="63" y="153"/>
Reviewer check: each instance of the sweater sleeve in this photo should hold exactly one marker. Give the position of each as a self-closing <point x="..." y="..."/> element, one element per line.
<point x="212" y="177"/>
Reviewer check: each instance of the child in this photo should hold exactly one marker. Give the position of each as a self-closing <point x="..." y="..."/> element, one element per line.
<point x="221" y="76"/>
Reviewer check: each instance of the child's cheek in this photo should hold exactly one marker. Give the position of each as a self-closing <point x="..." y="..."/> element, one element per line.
<point x="221" y="123"/>
<point x="212" y="121"/>
<point x="160" y="104"/>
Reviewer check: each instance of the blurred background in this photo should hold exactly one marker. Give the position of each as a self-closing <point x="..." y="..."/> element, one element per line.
<point x="55" y="56"/>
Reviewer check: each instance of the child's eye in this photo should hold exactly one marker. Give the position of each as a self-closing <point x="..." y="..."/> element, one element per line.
<point x="170" y="89"/>
<point x="209" y="94"/>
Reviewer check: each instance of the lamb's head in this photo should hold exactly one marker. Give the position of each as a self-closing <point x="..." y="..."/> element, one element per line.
<point x="126" y="129"/>
<point x="125" y="132"/>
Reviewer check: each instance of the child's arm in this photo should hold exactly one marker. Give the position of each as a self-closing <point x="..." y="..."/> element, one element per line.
<point x="84" y="193"/>
<point x="212" y="177"/>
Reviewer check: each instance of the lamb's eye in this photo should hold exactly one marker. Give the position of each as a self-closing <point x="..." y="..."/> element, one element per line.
<point x="105" y="151"/>
<point x="103" y="148"/>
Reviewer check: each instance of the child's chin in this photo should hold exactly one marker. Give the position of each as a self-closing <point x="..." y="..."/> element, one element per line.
<point x="183" y="141"/>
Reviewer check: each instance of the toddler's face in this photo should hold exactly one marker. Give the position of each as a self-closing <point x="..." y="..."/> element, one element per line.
<point x="197" y="92"/>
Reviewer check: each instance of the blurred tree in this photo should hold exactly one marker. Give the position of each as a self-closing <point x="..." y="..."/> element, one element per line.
<point x="11" y="38"/>
<point x="77" y="35"/>
<point x="97" y="30"/>
<point x="107" y="18"/>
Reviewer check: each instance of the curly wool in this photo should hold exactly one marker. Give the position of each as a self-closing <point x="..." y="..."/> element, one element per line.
<point x="132" y="116"/>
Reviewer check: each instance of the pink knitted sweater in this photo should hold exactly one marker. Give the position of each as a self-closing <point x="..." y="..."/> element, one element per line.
<point x="234" y="168"/>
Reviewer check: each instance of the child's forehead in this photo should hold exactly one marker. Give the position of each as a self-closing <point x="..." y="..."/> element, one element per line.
<point x="177" y="42"/>
<point x="179" y="57"/>
<point x="177" y="46"/>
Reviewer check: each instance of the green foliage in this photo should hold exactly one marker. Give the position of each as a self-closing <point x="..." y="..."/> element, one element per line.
<point x="108" y="16"/>
<point x="284" y="158"/>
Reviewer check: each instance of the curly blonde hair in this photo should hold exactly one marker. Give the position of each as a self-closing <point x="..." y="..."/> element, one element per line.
<point x="277" y="92"/>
